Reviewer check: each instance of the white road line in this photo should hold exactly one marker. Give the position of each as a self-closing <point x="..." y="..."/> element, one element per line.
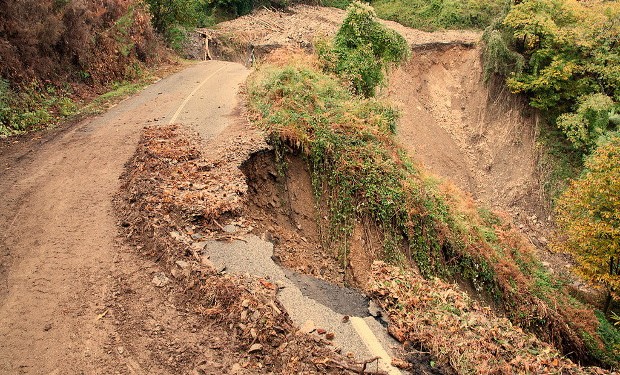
<point x="373" y="345"/>
<point x="178" y="112"/>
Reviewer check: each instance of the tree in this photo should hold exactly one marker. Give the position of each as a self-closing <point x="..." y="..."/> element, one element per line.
<point x="565" y="55"/>
<point x="589" y="214"/>
<point x="169" y="13"/>
<point x="363" y="49"/>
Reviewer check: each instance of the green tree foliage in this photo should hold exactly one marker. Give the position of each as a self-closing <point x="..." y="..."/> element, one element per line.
<point x="589" y="214"/>
<point x="590" y="121"/>
<point x="441" y="14"/>
<point x="172" y="17"/>
<point x="363" y="50"/>
<point x="565" y="55"/>
<point x="569" y="48"/>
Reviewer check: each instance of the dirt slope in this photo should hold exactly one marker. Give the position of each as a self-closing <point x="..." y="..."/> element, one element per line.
<point x="481" y="139"/>
<point x="61" y="268"/>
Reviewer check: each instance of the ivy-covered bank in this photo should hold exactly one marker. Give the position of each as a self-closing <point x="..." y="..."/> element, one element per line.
<point x="358" y="171"/>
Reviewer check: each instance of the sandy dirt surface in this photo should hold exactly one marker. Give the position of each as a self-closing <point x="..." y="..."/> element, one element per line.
<point x="482" y="139"/>
<point x="61" y="264"/>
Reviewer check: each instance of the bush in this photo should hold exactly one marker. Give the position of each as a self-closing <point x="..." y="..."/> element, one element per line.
<point x="589" y="122"/>
<point x="562" y="55"/>
<point x="498" y="55"/>
<point x="50" y="50"/>
<point x="589" y="214"/>
<point x="363" y="50"/>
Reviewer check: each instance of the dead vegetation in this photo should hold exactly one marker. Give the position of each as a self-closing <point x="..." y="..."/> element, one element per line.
<point x="74" y="41"/>
<point x="436" y="316"/>
<point x="249" y="38"/>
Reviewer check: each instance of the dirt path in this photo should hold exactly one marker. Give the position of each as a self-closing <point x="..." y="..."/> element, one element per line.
<point x="59" y="257"/>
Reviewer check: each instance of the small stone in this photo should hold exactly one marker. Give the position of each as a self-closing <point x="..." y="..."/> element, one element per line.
<point x="197" y="236"/>
<point x="176" y="235"/>
<point x="160" y="280"/>
<point x="198" y="246"/>
<point x="374" y="309"/>
<point x="307" y="327"/>
<point x="253" y="333"/>
<point x="401" y="363"/>
<point x="321" y="331"/>
<point x="330" y="336"/>
<point x="345" y="319"/>
<point x="235" y="368"/>
<point x="47" y="327"/>
<point x="207" y="263"/>
<point x="120" y="350"/>
<point x="230" y="228"/>
<point x="255" y="348"/>
<point x="245" y="303"/>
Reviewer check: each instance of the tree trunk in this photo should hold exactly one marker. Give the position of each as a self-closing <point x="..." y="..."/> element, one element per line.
<point x="608" y="300"/>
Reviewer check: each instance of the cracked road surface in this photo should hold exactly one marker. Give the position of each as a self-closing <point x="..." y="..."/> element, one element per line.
<point x="59" y="238"/>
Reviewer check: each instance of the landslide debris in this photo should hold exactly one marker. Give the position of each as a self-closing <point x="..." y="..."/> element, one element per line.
<point x="173" y="194"/>
<point x="249" y="37"/>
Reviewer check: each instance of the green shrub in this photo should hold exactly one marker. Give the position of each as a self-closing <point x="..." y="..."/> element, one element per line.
<point x="498" y="56"/>
<point x="589" y="122"/>
<point x="363" y="50"/>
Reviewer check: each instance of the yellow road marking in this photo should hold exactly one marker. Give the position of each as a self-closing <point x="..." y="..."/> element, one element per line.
<point x="178" y="112"/>
<point x="373" y="345"/>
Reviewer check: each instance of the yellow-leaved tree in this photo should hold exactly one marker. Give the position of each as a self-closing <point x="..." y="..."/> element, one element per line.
<point x="589" y="215"/>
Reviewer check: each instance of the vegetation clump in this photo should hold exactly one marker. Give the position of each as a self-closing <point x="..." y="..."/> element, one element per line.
<point x="464" y="335"/>
<point x="562" y="54"/>
<point x="363" y="50"/>
<point x="435" y="14"/>
<point x="55" y="52"/>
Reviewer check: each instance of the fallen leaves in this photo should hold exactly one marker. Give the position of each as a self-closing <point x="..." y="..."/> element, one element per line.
<point x="458" y="331"/>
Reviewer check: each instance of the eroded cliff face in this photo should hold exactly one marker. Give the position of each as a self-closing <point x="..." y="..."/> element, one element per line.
<point x="481" y="138"/>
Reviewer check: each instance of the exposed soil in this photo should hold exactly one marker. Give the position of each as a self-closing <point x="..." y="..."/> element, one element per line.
<point x="284" y="210"/>
<point x="248" y="38"/>
<point x="483" y="140"/>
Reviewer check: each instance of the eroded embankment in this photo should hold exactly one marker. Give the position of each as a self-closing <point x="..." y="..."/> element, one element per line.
<point x="249" y="38"/>
<point x="174" y="195"/>
<point x="283" y="207"/>
<point x="474" y="134"/>
<point x="480" y="137"/>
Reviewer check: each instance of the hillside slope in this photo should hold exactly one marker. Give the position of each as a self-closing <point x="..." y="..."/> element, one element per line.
<point x="462" y="129"/>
